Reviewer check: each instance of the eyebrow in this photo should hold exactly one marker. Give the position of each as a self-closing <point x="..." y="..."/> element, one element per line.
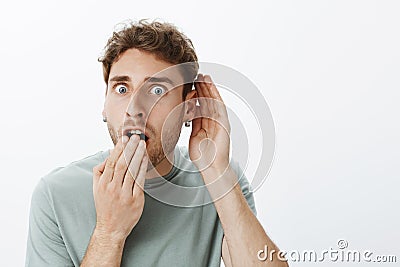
<point x="158" y="80"/>
<point x="120" y="79"/>
<point x="147" y="79"/>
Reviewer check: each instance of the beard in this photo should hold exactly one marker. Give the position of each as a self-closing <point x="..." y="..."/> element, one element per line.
<point x="162" y="143"/>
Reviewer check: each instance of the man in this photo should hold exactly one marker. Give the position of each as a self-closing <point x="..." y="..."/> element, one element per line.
<point x="112" y="208"/>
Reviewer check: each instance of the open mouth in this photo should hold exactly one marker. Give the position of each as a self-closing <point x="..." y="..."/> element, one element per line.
<point x="138" y="132"/>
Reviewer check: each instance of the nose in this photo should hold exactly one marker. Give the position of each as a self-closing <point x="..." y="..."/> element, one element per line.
<point x="136" y="109"/>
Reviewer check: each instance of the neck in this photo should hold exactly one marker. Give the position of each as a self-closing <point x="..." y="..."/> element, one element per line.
<point x="163" y="168"/>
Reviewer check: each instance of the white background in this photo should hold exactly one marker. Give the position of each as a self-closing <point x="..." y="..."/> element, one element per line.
<point x="328" y="69"/>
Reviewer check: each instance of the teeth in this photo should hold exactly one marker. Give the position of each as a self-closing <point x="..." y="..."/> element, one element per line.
<point x="136" y="132"/>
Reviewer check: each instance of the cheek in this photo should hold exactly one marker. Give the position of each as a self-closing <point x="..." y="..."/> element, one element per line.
<point x="116" y="109"/>
<point x="164" y="115"/>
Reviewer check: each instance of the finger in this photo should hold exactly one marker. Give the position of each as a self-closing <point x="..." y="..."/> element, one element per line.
<point x="98" y="171"/>
<point x="204" y="106"/>
<point x="208" y="99"/>
<point x="211" y="99"/>
<point x="134" y="166"/>
<point x="125" y="159"/>
<point x="128" y="181"/>
<point x="220" y="113"/>
<point x="141" y="177"/>
<point x="196" y="122"/>
<point x="214" y="93"/>
<point x="200" y="92"/>
<point x="112" y="160"/>
<point x="211" y="111"/>
<point x="101" y="166"/>
<point x="204" y="84"/>
<point x="212" y="89"/>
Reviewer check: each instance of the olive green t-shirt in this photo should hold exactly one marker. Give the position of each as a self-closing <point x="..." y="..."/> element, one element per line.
<point x="175" y="229"/>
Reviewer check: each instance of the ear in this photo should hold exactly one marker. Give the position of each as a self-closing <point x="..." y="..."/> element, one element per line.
<point x="190" y="106"/>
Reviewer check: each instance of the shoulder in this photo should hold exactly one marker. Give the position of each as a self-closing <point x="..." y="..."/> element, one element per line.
<point x="75" y="168"/>
<point x="72" y="178"/>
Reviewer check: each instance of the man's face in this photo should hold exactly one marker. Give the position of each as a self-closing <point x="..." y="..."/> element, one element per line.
<point x="140" y="95"/>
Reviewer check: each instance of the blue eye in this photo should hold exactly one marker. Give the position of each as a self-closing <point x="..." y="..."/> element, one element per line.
<point x="121" y="89"/>
<point x="157" y="90"/>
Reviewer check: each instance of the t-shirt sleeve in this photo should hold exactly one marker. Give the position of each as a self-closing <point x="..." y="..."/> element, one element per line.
<point x="45" y="245"/>
<point x="246" y="187"/>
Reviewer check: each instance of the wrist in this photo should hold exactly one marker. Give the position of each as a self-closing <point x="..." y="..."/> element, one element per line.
<point x="214" y="172"/>
<point x="219" y="181"/>
<point x="107" y="237"/>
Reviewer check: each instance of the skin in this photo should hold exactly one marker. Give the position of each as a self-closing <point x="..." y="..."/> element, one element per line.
<point x="141" y="108"/>
<point x="118" y="181"/>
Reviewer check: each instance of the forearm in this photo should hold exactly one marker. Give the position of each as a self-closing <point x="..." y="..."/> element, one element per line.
<point x="103" y="250"/>
<point x="244" y="234"/>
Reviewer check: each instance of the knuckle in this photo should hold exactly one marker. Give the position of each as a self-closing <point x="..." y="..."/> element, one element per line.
<point x="111" y="189"/>
<point x="126" y="200"/>
<point x="97" y="167"/>
<point x="120" y="166"/>
<point x="131" y="173"/>
<point x="110" y="164"/>
<point x="128" y="179"/>
<point x="138" y="194"/>
<point x="101" y="188"/>
<point x="95" y="170"/>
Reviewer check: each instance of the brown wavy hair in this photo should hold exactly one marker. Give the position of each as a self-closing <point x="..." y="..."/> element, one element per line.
<point x="162" y="39"/>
